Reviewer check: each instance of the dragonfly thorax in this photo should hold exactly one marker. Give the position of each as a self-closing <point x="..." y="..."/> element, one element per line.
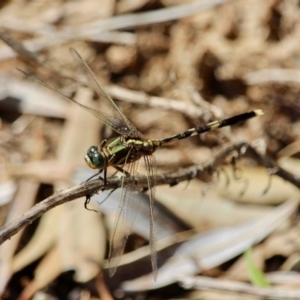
<point x="119" y="151"/>
<point x="94" y="158"/>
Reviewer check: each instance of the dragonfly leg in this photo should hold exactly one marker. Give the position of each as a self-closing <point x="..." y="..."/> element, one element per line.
<point x="119" y="169"/>
<point x="95" y="175"/>
<point x="102" y="145"/>
<point x="89" y="196"/>
<point x="105" y="176"/>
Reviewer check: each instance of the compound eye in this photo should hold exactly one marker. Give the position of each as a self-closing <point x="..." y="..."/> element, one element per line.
<point x="94" y="158"/>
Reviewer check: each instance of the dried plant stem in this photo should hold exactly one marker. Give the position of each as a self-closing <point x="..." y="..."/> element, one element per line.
<point x="91" y="187"/>
<point x="101" y="30"/>
<point x="205" y="283"/>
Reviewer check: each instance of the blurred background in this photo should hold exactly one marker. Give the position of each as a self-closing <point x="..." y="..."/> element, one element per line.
<point x="231" y="232"/>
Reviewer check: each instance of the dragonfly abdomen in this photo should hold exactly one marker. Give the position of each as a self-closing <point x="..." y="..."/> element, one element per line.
<point x="213" y="125"/>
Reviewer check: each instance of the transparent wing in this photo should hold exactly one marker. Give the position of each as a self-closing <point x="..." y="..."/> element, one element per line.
<point x="127" y="128"/>
<point x="150" y="168"/>
<point x="128" y="210"/>
<point x="116" y="124"/>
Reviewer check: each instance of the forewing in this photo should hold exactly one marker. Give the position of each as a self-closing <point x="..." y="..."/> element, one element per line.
<point x="115" y="123"/>
<point x="127" y="128"/>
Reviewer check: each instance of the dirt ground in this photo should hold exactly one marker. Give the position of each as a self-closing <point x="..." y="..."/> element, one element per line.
<point x="226" y="211"/>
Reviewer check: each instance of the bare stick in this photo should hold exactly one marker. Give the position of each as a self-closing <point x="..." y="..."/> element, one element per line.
<point x="91" y="187"/>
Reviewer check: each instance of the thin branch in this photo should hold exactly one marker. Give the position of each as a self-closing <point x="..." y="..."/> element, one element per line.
<point x="136" y="97"/>
<point x="114" y="91"/>
<point x="273" y="167"/>
<point x="89" y="188"/>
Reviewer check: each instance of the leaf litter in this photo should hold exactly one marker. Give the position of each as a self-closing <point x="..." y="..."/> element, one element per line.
<point x="235" y="56"/>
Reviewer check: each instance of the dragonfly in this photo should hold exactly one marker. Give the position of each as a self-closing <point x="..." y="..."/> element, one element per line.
<point x="124" y="153"/>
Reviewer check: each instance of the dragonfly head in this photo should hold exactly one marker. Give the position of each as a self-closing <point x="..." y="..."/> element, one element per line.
<point x="94" y="158"/>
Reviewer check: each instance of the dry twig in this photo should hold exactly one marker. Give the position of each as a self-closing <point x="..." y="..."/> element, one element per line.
<point x="89" y="188"/>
